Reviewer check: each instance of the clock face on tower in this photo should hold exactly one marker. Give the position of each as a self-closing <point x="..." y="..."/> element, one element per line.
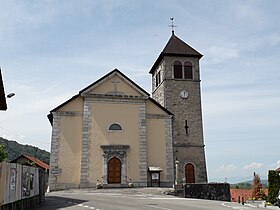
<point x="184" y="94"/>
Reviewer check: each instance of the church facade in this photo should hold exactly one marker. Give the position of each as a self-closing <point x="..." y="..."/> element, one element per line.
<point x="112" y="133"/>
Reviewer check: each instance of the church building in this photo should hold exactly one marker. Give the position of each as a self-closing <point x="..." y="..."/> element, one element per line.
<point x="112" y="133"/>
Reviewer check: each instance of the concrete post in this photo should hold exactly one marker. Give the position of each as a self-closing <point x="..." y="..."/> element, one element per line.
<point x="177" y="171"/>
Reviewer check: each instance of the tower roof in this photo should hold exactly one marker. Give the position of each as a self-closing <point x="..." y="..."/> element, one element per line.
<point x="176" y="47"/>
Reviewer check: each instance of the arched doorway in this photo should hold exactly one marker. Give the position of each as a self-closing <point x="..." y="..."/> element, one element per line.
<point x="189" y="173"/>
<point x="114" y="171"/>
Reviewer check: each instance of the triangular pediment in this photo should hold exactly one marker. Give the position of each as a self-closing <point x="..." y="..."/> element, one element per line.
<point x="115" y="83"/>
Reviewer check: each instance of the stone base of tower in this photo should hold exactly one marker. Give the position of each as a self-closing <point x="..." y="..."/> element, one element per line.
<point x="191" y="164"/>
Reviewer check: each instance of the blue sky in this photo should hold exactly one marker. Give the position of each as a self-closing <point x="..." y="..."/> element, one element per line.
<point x="52" y="49"/>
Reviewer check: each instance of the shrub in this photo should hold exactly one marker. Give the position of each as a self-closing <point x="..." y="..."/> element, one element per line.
<point x="273" y="185"/>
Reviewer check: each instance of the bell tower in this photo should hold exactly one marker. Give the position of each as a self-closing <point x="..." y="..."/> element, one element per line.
<point x="176" y="86"/>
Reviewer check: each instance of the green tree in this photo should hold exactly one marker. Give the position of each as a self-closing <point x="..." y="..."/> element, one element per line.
<point x="3" y="154"/>
<point x="273" y="185"/>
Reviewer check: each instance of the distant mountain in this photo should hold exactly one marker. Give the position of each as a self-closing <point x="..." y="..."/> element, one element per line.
<point x="14" y="150"/>
<point x="232" y="180"/>
<point x="238" y="180"/>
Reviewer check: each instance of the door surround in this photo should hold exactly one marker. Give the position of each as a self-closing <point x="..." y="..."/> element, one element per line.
<point x="111" y="151"/>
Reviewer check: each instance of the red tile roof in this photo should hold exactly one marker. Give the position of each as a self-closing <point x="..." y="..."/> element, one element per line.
<point x="245" y="193"/>
<point x="38" y="162"/>
<point x="278" y="169"/>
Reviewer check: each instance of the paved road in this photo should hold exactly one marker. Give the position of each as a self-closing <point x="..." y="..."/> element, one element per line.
<point x="131" y="199"/>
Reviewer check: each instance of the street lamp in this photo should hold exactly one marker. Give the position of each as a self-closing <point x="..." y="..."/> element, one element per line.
<point x="10" y="95"/>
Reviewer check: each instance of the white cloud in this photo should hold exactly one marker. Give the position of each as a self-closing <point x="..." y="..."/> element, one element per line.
<point x="249" y="13"/>
<point x="221" y="53"/>
<point x="228" y="169"/>
<point x="7" y="134"/>
<point x="274" y="165"/>
<point x="278" y="163"/>
<point x="253" y="165"/>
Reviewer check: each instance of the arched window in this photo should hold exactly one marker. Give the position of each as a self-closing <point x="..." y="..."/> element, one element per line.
<point x="188" y="72"/>
<point x="177" y="67"/>
<point x="115" y="127"/>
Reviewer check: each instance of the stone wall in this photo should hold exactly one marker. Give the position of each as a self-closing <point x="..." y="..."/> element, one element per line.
<point x="188" y="146"/>
<point x="212" y="191"/>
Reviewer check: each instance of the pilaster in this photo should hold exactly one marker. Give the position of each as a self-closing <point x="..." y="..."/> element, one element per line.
<point x="54" y="151"/>
<point x="169" y="150"/>
<point x="86" y="140"/>
<point x="142" y="145"/>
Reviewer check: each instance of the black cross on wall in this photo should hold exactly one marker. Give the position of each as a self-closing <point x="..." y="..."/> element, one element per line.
<point x="186" y="127"/>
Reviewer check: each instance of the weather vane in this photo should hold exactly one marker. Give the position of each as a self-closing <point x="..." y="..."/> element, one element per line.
<point x="172" y="24"/>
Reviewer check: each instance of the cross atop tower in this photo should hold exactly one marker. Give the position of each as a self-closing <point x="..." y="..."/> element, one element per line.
<point x="172" y="24"/>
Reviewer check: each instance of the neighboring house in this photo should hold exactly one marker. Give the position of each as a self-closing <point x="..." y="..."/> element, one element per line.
<point x="3" y="104"/>
<point x="278" y="169"/>
<point x="31" y="161"/>
<point x="43" y="171"/>
<point x="113" y="133"/>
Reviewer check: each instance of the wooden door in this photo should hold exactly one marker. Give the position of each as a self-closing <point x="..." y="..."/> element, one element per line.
<point x="189" y="173"/>
<point x="114" y="171"/>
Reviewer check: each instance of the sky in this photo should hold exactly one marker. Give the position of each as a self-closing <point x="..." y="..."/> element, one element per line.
<point x="50" y="50"/>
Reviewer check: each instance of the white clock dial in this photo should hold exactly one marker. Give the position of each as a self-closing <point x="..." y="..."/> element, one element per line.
<point x="184" y="94"/>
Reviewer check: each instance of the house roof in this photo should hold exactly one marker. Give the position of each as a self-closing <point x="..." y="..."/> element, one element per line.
<point x="3" y="104"/>
<point x="176" y="47"/>
<point x="34" y="160"/>
<point x="278" y="169"/>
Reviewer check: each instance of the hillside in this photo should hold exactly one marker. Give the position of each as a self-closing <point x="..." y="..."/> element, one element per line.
<point x="15" y="149"/>
<point x="248" y="184"/>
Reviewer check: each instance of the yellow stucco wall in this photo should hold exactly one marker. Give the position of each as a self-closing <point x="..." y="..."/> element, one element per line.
<point x="151" y="108"/>
<point x="70" y="143"/>
<point x="105" y="114"/>
<point x="156" y="146"/>
<point x="75" y="105"/>
<point x="156" y="139"/>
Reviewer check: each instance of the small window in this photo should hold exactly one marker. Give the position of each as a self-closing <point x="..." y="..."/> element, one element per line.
<point x="115" y="127"/>
<point x="158" y="79"/>
<point x="188" y="73"/>
<point x="178" y="74"/>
